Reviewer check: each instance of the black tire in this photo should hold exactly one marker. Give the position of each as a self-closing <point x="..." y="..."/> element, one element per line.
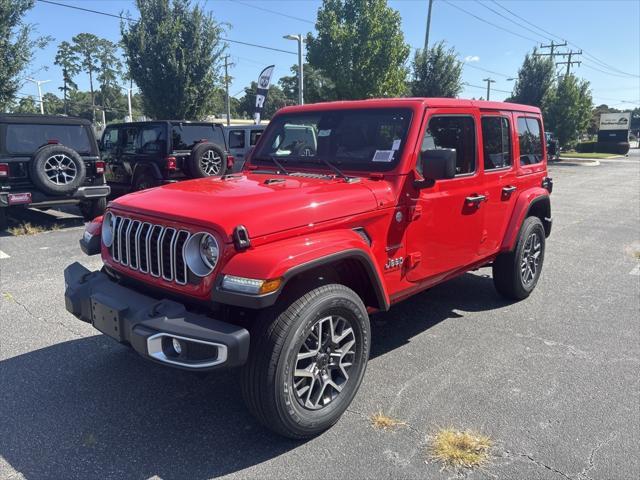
<point x="207" y="160"/>
<point x="510" y="277"/>
<point x="91" y="209"/>
<point x="57" y="170"/>
<point x="144" y="180"/>
<point x="268" y="384"/>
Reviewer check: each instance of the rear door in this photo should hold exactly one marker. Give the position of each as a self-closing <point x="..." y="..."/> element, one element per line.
<point x="499" y="176"/>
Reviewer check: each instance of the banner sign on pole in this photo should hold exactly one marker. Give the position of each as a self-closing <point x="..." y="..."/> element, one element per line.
<point x="264" y="80"/>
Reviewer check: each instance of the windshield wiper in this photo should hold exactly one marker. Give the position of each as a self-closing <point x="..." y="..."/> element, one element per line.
<point x="276" y="162"/>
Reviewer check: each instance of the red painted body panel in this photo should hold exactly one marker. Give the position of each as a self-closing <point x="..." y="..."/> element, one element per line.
<point x="297" y="220"/>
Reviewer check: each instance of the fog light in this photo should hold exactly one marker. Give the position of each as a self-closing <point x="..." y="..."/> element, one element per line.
<point x="177" y="345"/>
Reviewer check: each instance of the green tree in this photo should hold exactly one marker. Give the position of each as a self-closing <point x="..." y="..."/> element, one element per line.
<point x="52" y="104"/>
<point x="317" y="86"/>
<point x="275" y="101"/>
<point x="436" y="73"/>
<point x="568" y="109"/>
<point x="111" y="96"/>
<point x="16" y="47"/>
<point x="535" y="79"/>
<point x="26" y="105"/>
<point x="87" y="46"/>
<point x="67" y="59"/>
<point x="360" y="47"/>
<point x="173" y="54"/>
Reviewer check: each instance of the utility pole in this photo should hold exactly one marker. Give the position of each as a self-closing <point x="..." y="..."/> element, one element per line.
<point x="568" y="63"/>
<point x="552" y="48"/>
<point x="226" y="88"/>
<point x="489" y="81"/>
<point x="38" y="83"/>
<point x="426" y="36"/>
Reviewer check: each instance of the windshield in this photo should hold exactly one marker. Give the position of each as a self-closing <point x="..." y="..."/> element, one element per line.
<point x="363" y="139"/>
<point x="27" y="138"/>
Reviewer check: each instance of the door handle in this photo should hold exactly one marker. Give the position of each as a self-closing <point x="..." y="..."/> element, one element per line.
<point x="476" y="199"/>
<point x="509" y="189"/>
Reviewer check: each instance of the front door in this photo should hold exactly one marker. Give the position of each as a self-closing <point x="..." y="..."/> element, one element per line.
<point x="448" y="218"/>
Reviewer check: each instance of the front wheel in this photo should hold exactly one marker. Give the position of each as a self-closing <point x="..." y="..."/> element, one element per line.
<point x="307" y="362"/>
<point x="516" y="273"/>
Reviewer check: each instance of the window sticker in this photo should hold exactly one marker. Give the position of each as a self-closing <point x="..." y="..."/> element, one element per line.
<point x="383" y="156"/>
<point x="324" y="133"/>
<point x="396" y="144"/>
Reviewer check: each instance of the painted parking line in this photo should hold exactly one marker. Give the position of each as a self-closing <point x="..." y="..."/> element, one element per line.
<point x="635" y="271"/>
<point x="4" y="255"/>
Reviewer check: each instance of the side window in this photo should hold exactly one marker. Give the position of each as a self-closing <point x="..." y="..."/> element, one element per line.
<point x="457" y="133"/>
<point x="129" y="140"/>
<point x="109" y="140"/>
<point x="254" y="136"/>
<point x="529" y="140"/>
<point x="236" y="138"/>
<point x="151" y="140"/>
<point x="496" y="139"/>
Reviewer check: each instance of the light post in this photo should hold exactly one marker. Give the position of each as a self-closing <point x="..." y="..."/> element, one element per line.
<point x="298" y="38"/>
<point x="38" y="83"/>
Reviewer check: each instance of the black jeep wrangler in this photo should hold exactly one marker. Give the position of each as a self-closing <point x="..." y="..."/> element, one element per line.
<point x="49" y="160"/>
<point x="141" y="155"/>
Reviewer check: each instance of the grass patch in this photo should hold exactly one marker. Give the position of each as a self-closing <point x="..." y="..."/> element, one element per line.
<point x="7" y="296"/>
<point x="573" y="154"/>
<point x="459" y="449"/>
<point x="27" y="228"/>
<point x="384" y="422"/>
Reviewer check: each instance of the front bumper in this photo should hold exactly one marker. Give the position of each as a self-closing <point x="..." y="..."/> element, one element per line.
<point x="151" y="326"/>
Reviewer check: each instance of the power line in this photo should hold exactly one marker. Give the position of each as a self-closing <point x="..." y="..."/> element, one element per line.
<point x="526" y="21"/>
<point x="466" y="64"/>
<point x="484" y="88"/>
<point x="489" y="23"/>
<point x="273" y="12"/>
<point x="97" y="12"/>
<point x="508" y="19"/>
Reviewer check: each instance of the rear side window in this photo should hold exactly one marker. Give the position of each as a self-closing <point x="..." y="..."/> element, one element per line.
<point x="530" y="140"/>
<point x="254" y="136"/>
<point x="496" y="139"/>
<point x="457" y="133"/>
<point x="186" y="136"/>
<point x="151" y="140"/>
<point x="236" y="139"/>
<point x="109" y="140"/>
<point x="26" y="139"/>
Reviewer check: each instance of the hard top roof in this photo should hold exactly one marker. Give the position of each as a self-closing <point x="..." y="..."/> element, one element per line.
<point x="37" y="118"/>
<point x="151" y="122"/>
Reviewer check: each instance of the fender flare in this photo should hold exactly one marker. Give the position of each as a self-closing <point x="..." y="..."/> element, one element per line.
<point x="525" y="202"/>
<point x="142" y="167"/>
<point x="289" y="258"/>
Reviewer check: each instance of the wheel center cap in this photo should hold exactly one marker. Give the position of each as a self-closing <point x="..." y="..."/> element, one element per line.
<point x="322" y="360"/>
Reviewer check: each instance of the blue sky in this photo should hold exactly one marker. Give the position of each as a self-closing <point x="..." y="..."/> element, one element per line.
<point x="607" y="30"/>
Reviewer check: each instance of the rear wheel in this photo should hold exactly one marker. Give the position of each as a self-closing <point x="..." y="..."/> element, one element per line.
<point x="91" y="209"/>
<point x="516" y="273"/>
<point x="57" y="170"/>
<point x="143" y="181"/>
<point x="306" y="363"/>
<point x="207" y="160"/>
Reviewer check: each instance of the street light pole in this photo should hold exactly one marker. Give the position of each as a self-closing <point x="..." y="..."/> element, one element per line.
<point x="299" y="39"/>
<point x="38" y="83"/>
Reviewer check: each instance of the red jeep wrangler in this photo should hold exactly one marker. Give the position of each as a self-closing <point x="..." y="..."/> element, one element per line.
<point x="343" y="209"/>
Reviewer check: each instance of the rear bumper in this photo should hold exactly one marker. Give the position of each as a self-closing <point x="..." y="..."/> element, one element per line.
<point x="150" y="325"/>
<point x="39" y="199"/>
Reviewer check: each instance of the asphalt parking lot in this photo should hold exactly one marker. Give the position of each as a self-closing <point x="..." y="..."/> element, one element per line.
<point x="554" y="380"/>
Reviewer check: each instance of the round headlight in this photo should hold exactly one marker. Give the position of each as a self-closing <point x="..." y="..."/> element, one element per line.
<point x="201" y="253"/>
<point x="107" y="229"/>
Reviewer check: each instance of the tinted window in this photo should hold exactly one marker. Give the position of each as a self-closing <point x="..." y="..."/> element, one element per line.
<point x="129" y="139"/>
<point x="496" y="140"/>
<point x="185" y="135"/>
<point x="236" y="139"/>
<point x="26" y="139"/>
<point x="363" y="139"/>
<point x="254" y="136"/>
<point x="109" y="139"/>
<point x="529" y="140"/>
<point x="151" y="140"/>
<point x="457" y="133"/>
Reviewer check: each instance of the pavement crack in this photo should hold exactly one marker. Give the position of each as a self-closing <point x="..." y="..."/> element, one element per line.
<point x="539" y="463"/>
<point x="584" y="473"/>
<point x="49" y="321"/>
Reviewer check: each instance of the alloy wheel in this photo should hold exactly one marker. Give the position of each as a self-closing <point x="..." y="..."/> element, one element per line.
<point x="530" y="260"/>
<point x="60" y="169"/>
<point x="324" y="361"/>
<point x="211" y="163"/>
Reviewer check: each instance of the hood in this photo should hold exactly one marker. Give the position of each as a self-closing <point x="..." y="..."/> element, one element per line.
<point x="263" y="203"/>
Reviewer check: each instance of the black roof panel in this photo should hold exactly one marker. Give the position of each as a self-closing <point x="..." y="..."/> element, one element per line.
<point x="42" y="119"/>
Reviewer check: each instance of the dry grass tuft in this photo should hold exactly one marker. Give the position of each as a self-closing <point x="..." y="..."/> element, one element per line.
<point x="383" y="422"/>
<point x="460" y="449"/>
<point x="7" y="296"/>
<point x="27" y="229"/>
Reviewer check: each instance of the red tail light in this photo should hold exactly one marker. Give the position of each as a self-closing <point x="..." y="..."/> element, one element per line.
<point x="230" y="161"/>
<point x="99" y="167"/>
<point x="4" y="169"/>
<point x="53" y="141"/>
<point x="171" y="163"/>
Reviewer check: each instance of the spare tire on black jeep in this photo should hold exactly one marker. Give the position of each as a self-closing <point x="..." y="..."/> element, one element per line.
<point x="207" y="160"/>
<point x="57" y="170"/>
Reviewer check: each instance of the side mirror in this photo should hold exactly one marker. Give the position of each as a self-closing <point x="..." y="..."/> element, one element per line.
<point x="437" y="164"/>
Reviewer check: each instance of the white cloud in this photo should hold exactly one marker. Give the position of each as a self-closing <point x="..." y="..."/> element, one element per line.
<point x="471" y="58"/>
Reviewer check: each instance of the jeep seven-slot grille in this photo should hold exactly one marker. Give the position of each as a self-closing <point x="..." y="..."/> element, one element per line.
<point x="148" y="248"/>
